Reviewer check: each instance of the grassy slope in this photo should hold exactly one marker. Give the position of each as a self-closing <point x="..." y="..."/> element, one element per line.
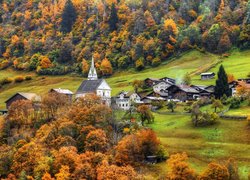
<point x="204" y="145"/>
<point x="238" y="64"/>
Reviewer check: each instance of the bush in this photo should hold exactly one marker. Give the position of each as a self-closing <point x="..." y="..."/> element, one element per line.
<point x="4" y="64"/>
<point x="19" y="79"/>
<point x="6" y="81"/>
<point x="205" y="119"/>
<point x="234" y="102"/>
<point x="28" y="78"/>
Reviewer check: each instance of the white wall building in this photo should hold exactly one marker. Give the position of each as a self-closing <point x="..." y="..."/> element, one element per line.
<point x="124" y="100"/>
<point x="94" y="85"/>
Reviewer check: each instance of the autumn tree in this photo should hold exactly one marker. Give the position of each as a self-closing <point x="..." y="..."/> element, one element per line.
<point x="68" y="17"/>
<point x="66" y="156"/>
<point x="27" y="158"/>
<point x="179" y="168"/>
<point x="113" y="19"/>
<point x="224" y="43"/>
<point x="63" y="174"/>
<point x="20" y="112"/>
<point x="230" y="78"/>
<point x="215" y="171"/>
<point x="195" y="112"/>
<point x="85" y="67"/>
<point x="113" y="172"/>
<point x="145" y="114"/>
<point x="134" y="148"/>
<point x="106" y="67"/>
<point x="96" y="141"/>
<point x="128" y="151"/>
<point x="217" y="104"/>
<point x="52" y="102"/>
<point x="47" y="176"/>
<point x="137" y="84"/>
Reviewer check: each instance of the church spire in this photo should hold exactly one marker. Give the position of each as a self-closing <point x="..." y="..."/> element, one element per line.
<point x="92" y="71"/>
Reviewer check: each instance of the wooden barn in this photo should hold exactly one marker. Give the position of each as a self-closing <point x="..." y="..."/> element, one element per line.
<point x="22" y="96"/>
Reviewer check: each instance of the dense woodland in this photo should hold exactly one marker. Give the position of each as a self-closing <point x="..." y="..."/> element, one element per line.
<point x="61" y="36"/>
<point x="88" y="142"/>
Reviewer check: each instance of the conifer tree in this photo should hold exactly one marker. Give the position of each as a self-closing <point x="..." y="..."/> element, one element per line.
<point x="113" y="20"/>
<point x="222" y="86"/>
<point x="68" y="17"/>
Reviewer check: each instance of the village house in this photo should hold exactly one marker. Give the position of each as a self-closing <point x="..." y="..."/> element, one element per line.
<point x="69" y="94"/>
<point x="124" y="100"/>
<point x="183" y="93"/>
<point x="23" y="96"/>
<point x="208" y="75"/>
<point x="160" y="88"/>
<point x="94" y="85"/>
<point x="204" y="91"/>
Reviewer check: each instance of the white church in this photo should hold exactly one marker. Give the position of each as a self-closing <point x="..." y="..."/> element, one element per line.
<point x="94" y="85"/>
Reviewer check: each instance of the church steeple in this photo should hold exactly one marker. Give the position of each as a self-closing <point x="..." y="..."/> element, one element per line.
<point x="92" y="71"/>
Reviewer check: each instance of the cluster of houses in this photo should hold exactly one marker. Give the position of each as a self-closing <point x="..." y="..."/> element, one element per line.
<point x="163" y="89"/>
<point x="166" y="89"/>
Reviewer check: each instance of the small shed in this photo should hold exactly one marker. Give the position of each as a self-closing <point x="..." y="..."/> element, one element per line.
<point x="22" y="96"/>
<point x="208" y="75"/>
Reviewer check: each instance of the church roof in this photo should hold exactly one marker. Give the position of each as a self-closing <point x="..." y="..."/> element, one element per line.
<point x="89" y="86"/>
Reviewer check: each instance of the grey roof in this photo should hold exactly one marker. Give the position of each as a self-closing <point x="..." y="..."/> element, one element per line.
<point x="63" y="91"/>
<point x="208" y="73"/>
<point x="188" y="89"/>
<point x="89" y="86"/>
<point x="28" y="96"/>
<point x="166" y="82"/>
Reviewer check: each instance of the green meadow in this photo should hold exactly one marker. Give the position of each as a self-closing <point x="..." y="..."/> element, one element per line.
<point x="227" y="139"/>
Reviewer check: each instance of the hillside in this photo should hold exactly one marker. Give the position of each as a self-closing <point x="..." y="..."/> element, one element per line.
<point x="192" y="62"/>
<point x="60" y="36"/>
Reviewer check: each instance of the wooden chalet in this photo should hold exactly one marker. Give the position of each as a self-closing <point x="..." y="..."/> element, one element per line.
<point x="23" y="96"/>
<point x="183" y="92"/>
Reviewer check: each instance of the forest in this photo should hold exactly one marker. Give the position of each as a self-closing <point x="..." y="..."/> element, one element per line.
<point x="61" y="36"/>
<point x="86" y="140"/>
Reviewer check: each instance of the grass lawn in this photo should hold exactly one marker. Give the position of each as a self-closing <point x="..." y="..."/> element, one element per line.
<point x="244" y="110"/>
<point x="238" y="64"/>
<point x="203" y="145"/>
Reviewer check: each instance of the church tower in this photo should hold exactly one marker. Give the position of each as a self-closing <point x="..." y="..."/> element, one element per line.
<point x="92" y="71"/>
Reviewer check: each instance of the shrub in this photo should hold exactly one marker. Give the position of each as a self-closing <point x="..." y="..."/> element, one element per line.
<point x="234" y="102"/>
<point x="28" y="78"/>
<point x="19" y="79"/>
<point x="205" y="119"/>
<point x="6" y="81"/>
<point x="4" y="64"/>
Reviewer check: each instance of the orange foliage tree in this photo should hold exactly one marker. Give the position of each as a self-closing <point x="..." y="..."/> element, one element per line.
<point x="106" y="67"/>
<point x="215" y="171"/>
<point x="96" y="141"/>
<point x="179" y="168"/>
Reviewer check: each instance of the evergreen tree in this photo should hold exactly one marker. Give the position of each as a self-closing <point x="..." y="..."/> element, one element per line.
<point x="68" y="17"/>
<point x="113" y="20"/>
<point x="222" y="86"/>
